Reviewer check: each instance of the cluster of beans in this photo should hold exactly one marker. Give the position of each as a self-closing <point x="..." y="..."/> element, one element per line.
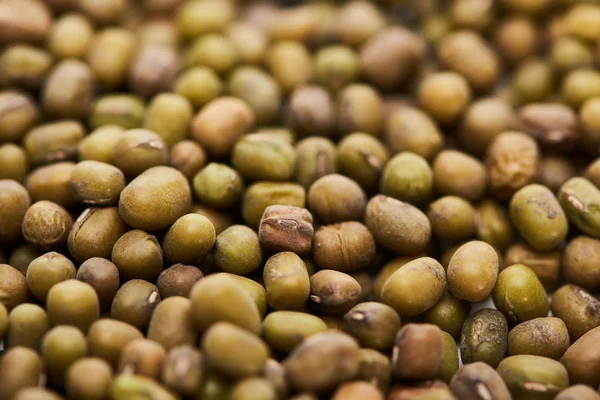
<point x="303" y="200"/>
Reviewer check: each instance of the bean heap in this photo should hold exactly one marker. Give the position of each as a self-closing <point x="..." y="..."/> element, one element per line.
<point x="303" y="200"/>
